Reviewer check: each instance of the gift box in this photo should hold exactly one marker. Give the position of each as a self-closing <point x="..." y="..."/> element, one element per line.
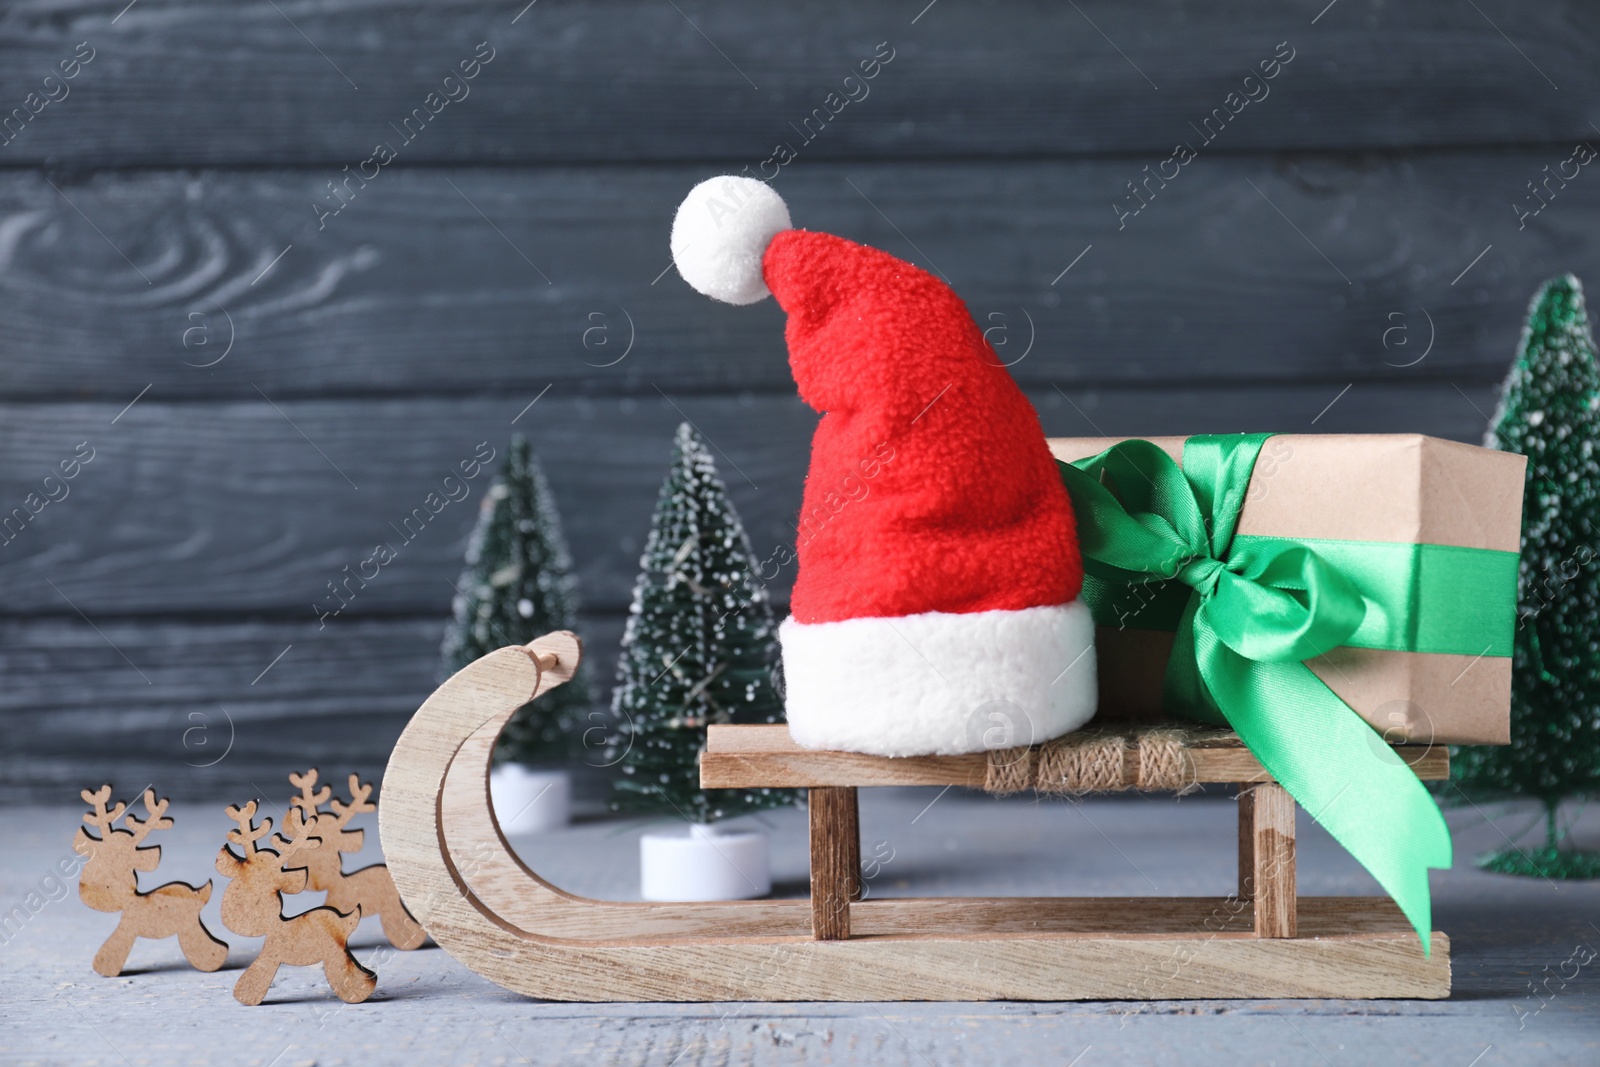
<point x="1370" y="505"/>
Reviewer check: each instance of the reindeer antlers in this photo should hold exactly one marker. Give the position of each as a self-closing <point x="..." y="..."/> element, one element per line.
<point x="154" y="820"/>
<point x="358" y="801"/>
<point x="309" y="801"/>
<point x="299" y="839"/>
<point x="155" y="810"/>
<point x="100" y="817"/>
<point x="247" y="834"/>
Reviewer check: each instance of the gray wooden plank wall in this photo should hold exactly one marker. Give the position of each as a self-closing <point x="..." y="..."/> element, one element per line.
<point x="300" y="379"/>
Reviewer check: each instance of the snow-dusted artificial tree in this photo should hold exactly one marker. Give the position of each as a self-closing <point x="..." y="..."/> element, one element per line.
<point x="518" y="584"/>
<point x="1550" y="412"/>
<point x="700" y="647"/>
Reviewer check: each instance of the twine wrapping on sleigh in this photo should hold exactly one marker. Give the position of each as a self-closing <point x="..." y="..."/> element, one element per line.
<point x="1093" y="761"/>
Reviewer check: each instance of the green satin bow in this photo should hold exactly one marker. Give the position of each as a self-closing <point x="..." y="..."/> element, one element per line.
<point x="1253" y="608"/>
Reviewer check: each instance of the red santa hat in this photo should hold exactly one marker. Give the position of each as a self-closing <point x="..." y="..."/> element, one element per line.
<point x="935" y="610"/>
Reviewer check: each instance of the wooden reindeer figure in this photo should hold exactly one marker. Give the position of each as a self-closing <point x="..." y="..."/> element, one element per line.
<point x="110" y="882"/>
<point x="371" y="889"/>
<point x="252" y="905"/>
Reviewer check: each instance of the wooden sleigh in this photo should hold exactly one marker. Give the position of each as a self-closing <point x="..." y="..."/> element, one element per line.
<point x="459" y="877"/>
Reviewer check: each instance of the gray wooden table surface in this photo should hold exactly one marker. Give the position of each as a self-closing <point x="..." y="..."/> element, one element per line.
<point x="1509" y="936"/>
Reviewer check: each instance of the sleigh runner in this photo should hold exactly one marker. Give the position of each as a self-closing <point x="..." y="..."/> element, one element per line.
<point x="460" y="879"/>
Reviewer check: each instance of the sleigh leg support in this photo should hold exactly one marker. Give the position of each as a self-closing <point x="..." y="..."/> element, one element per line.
<point x="1266" y="857"/>
<point x="835" y="860"/>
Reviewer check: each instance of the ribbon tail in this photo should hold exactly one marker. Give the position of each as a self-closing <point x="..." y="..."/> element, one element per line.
<point x="1184" y="691"/>
<point x="1336" y="767"/>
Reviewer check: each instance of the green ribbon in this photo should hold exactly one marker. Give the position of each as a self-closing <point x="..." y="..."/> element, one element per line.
<point x="1160" y="552"/>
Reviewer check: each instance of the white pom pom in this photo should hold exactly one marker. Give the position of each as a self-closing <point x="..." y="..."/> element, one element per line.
<point x="720" y="233"/>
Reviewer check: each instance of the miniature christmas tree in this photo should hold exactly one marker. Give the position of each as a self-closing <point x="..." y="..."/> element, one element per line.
<point x="518" y="584"/>
<point x="1550" y="412"/>
<point x="700" y="648"/>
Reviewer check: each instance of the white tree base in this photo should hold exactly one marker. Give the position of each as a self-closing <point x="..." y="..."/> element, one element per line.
<point x="704" y="862"/>
<point x="526" y="801"/>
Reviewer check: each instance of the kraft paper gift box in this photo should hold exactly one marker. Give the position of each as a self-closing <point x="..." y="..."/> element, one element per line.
<point x="1405" y="488"/>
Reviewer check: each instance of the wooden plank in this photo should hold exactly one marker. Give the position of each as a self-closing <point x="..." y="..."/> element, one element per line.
<point x="199" y="706"/>
<point x="635" y="80"/>
<point x="834" y="860"/>
<point x="732" y="770"/>
<point x="753" y="756"/>
<point x="439" y="839"/>
<point x="110" y="723"/>
<point x="261" y="507"/>
<point x="410" y="290"/>
<point x="1266" y="857"/>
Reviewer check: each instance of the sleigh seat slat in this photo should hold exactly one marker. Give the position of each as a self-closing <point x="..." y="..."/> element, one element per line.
<point x="752" y="757"/>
